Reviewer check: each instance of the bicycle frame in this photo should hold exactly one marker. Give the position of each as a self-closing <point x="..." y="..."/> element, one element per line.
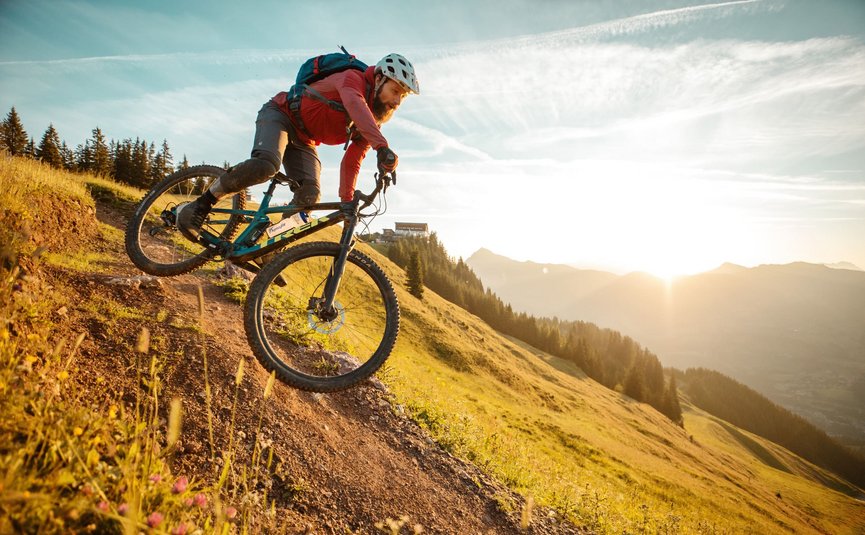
<point x="246" y="247"/>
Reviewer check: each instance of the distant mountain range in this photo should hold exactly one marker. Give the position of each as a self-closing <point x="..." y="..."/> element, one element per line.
<point x="794" y="332"/>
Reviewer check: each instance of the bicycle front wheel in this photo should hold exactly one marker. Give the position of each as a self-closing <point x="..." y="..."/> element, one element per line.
<point x="314" y="349"/>
<point x="153" y="242"/>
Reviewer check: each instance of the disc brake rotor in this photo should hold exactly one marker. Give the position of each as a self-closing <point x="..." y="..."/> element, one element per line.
<point x="327" y="327"/>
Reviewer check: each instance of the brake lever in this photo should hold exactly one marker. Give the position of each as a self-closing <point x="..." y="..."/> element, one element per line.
<point x="361" y="196"/>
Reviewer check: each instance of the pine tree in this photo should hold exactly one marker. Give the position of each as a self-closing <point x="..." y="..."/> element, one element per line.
<point x="415" y="275"/>
<point x="49" y="148"/>
<point x="68" y="157"/>
<point x="634" y="386"/>
<point x="140" y="170"/>
<point x="101" y="156"/>
<point x="13" y="137"/>
<point x="163" y="163"/>
<point x="672" y="408"/>
<point x="184" y="164"/>
<point x="123" y="161"/>
<point x="84" y="157"/>
<point x="30" y="149"/>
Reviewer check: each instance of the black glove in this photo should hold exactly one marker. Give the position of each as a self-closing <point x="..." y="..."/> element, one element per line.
<point x="387" y="160"/>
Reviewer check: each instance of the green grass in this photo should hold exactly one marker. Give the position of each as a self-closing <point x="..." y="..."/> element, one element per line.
<point x="70" y="463"/>
<point x="528" y="419"/>
<point x="107" y="190"/>
<point x="540" y="425"/>
<point x="39" y="206"/>
<point x="83" y="261"/>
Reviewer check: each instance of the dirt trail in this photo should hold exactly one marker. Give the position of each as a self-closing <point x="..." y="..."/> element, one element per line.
<point x="343" y="461"/>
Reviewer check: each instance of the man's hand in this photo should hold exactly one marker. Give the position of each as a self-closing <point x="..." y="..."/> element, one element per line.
<point x="387" y="160"/>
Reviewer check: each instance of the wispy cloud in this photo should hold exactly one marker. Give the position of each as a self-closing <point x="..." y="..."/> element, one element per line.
<point x="218" y="57"/>
<point x="627" y="26"/>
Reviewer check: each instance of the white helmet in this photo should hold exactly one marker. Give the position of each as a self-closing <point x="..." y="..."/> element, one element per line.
<point x="398" y="68"/>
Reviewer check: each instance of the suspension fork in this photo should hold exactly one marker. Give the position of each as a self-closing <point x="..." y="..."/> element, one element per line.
<point x="346" y="243"/>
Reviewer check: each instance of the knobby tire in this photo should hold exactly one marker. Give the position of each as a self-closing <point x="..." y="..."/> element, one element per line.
<point x="364" y="320"/>
<point x="189" y="181"/>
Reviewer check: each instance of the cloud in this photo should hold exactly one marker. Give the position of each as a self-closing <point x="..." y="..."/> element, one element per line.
<point x="609" y="127"/>
<point x="433" y="143"/>
<point x="627" y="26"/>
<point x="694" y="101"/>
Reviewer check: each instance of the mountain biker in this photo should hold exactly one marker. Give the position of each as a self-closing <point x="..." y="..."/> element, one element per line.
<point x="288" y="129"/>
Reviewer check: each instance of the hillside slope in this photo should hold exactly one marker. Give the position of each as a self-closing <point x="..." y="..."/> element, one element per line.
<point x="792" y="332"/>
<point x="527" y="422"/>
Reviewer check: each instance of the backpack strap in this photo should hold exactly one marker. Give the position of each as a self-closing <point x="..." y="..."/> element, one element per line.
<point x="296" y="94"/>
<point x="294" y="109"/>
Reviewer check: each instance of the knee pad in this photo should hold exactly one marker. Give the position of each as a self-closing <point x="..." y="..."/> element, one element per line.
<point x="268" y="157"/>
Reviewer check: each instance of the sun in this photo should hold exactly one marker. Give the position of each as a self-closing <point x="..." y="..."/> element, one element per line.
<point x="666" y="269"/>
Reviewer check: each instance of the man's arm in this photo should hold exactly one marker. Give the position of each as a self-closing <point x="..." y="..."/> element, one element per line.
<point x="350" y="167"/>
<point x="351" y="86"/>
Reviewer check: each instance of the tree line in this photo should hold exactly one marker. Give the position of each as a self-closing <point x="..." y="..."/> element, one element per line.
<point x="135" y="162"/>
<point x="614" y="360"/>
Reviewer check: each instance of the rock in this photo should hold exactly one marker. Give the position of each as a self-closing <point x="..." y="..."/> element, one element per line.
<point x="230" y="270"/>
<point x="137" y="282"/>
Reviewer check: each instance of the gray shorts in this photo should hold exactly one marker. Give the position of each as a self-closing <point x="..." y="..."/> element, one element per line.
<point x="276" y="141"/>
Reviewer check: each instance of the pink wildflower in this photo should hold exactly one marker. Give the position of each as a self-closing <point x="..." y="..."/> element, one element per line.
<point x="187" y="502"/>
<point x="200" y="500"/>
<point x="123" y="508"/>
<point x="230" y="512"/>
<point x="102" y="506"/>
<point x="181" y="529"/>
<point x="155" y="478"/>
<point x="180" y="485"/>
<point x="154" y="519"/>
<point x="87" y="490"/>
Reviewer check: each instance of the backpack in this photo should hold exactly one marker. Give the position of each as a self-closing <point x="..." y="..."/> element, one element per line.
<point x="313" y="70"/>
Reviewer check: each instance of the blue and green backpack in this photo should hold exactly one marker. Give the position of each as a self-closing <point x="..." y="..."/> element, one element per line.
<point x="313" y="70"/>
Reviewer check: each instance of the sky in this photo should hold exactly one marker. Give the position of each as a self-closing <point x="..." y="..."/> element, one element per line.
<point x="664" y="136"/>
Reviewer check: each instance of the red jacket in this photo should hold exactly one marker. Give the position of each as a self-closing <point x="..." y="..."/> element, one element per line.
<point x="328" y="126"/>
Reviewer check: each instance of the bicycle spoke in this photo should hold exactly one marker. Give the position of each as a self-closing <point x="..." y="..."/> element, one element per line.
<point x="152" y="240"/>
<point x="321" y="347"/>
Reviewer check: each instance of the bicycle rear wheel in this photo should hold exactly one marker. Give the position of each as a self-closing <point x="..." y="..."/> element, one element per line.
<point x="153" y="242"/>
<point x="315" y="350"/>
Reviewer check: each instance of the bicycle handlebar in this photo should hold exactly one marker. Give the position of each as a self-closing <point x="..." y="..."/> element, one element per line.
<point x="382" y="181"/>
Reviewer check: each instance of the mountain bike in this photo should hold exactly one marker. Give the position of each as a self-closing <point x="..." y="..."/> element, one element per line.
<point x="321" y="315"/>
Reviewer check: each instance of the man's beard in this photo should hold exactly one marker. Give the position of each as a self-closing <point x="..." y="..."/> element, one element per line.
<point x="380" y="111"/>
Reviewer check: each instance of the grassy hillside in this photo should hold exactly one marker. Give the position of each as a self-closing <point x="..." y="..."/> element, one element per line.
<point x="543" y="428"/>
<point x="793" y="332"/>
<point x="540" y="425"/>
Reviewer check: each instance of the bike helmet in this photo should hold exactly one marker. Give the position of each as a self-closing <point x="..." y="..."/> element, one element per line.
<point x="396" y="67"/>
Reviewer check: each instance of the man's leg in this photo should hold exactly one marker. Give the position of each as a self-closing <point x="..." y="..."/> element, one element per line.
<point x="302" y="164"/>
<point x="270" y="141"/>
